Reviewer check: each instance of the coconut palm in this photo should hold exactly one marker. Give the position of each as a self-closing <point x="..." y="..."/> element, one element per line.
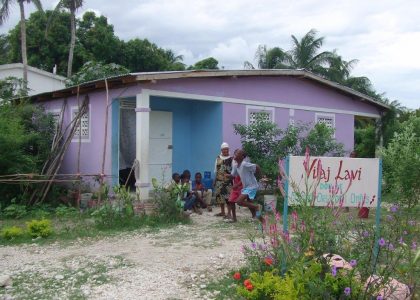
<point x="4" y="14"/>
<point x="72" y="6"/>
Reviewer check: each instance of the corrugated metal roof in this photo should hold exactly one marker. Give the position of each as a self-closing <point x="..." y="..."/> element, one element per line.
<point x="165" y="75"/>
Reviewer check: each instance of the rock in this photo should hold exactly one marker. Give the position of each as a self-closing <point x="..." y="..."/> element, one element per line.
<point x="5" y="280"/>
<point x="59" y="277"/>
<point x="193" y="276"/>
<point x="221" y="256"/>
<point x="202" y="276"/>
<point x="203" y="286"/>
<point x="7" y="297"/>
<point x="216" y="293"/>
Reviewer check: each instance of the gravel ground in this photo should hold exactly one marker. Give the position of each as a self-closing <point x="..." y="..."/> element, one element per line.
<point x="173" y="263"/>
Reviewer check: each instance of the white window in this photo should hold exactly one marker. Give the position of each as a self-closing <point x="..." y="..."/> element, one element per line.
<point x="82" y="131"/>
<point x="252" y="112"/>
<point x="327" y="119"/>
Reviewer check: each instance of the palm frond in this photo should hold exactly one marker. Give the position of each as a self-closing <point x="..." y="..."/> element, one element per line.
<point x="4" y="10"/>
<point x="38" y="5"/>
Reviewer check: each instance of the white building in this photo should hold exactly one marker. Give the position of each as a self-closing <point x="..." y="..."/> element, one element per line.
<point x="39" y="81"/>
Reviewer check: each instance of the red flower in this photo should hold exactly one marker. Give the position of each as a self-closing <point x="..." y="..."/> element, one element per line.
<point x="237" y="276"/>
<point x="247" y="282"/>
<point x="268" y="261"/>
<point x="249" y="287"/>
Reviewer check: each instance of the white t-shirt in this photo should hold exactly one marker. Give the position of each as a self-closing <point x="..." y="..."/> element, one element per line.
<point x="246" y="171"/>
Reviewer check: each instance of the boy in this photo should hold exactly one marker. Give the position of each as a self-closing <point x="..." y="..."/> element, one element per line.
<point x="179" y="189"/>
<point x="202" y="193"/>
<point x="246" y="172"/>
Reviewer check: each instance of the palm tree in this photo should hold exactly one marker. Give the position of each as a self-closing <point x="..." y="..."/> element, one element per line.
<point x="304" y="54"/>
<point x="72" y="6"/>
<point x="174" y="61"/>
<point x="4" y="14"/>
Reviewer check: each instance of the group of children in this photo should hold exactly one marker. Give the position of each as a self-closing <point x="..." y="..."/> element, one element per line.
<point x="194" y="196"/>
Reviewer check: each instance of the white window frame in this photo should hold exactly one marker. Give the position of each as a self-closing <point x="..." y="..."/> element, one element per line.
<point x="76" y="139"/>
<point x="253" y="108"/>
<point x="326" y="115"/>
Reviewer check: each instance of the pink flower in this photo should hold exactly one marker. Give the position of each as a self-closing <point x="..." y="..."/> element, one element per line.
<point x="353" y="263"/>
<point x="347" y="291"/>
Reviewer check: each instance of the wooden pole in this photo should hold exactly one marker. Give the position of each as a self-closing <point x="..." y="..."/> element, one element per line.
<point x="101" y="178"/>
<point x="79" y="147"/>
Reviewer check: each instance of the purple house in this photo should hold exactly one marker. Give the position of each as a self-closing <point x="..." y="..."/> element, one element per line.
<point x="171" y="121"/>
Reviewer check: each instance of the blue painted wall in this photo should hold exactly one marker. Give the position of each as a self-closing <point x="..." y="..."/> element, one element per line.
<point x="196" y="132"/>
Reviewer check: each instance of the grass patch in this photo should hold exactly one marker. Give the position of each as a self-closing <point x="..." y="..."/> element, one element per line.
<point x="224" y="288"/>
<point x="82" y="225"/>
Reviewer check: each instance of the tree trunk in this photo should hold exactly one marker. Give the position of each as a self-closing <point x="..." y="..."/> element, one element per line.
<point x="23" y="45"/>
<point x="72" y="41"/>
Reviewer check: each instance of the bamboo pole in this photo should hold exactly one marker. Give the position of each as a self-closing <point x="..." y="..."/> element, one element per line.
<point x="101" y="178"/>
<point x="78" y="150"/>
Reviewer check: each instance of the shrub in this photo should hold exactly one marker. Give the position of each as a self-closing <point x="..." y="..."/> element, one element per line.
<point x="15" y="211"/>
<point x="167" y="205"/>
<point x="119" y="212"/>
<point x="401" y="165"/>
<point x="39" y="228"/>
<point x="65" y="211"/>
<point x="265" y="143"/>
<point x="10" y="233"/>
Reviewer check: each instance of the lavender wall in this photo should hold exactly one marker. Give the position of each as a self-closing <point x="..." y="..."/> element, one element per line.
<point x="284" y="90"/>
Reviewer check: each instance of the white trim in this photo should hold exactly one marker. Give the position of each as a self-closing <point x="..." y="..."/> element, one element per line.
<point x="261" y="109"/>
<point x="77" y="139"/>
<point x="291" y="112"/>
<point x="149" y="92"/>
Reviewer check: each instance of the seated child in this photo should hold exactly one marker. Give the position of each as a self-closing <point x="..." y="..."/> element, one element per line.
<point x="189" y="198"/>
<point x="179" y="189"/>
<point x="202" y="193"/>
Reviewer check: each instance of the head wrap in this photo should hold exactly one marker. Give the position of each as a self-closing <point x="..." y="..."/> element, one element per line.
<point x="224" y="145"/>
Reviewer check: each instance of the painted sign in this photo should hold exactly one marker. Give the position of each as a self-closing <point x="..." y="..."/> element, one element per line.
<point x="324" y="181"/>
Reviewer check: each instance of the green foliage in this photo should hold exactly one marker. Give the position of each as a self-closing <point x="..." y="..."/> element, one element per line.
<point x="10" y="233"/>
<point x="209" y="63"/>
<point x="167" y="201"/>
<point x="117" y="212"/>
<point x="65" y="211"/>
<point x="11" y="88"/>
<point x="26" y="132"/>
<point x="365" y="141"/>
<point x="94" y="70"/>
<point x="39" y="228"/>
<point x="265" y="143"/>
<point x="401" y="164"/>
<point x="95" y="41"/>
<point x="15" y="211"/>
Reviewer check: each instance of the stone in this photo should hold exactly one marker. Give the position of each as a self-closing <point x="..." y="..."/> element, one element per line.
<point x="203" y="286"/>
<point x="59" y="277"/>
<point x="221" y="256"/>
<point x="5" y="280"/>
<point x="202" y="276"/>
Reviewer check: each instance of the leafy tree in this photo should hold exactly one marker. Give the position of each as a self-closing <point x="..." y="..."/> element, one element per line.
<point x="44" y="51"/>
<point x="26" y="133"/>
<point x="4" y="14"/>
<point x="97" y="40"/>
<point x="11" y="88"/>
<point x="4" y="49"/>
<point x="72" y="6"/>
<point x="265" y="143"/>
<point x="401" y="164"/>
<point x="94" y="70"/>
<point x="209" y="63"/>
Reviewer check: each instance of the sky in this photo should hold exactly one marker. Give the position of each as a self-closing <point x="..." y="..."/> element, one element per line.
<point x="384" y="36"/>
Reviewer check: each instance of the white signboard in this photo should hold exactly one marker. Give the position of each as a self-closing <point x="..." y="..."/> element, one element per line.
<point x="324" y="181"/>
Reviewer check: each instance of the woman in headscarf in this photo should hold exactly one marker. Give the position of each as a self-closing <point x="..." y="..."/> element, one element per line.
<point x="223" y="185"/>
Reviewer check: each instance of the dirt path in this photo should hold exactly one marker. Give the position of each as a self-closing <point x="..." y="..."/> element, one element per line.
<point x="172" y="263"/>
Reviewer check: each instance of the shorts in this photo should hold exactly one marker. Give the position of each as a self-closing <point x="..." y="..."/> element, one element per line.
<point x="234" y="196"/>
<point x="251" y="193"/>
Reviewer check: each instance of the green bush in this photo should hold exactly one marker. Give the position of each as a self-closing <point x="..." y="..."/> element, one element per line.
<point x="265" y="143"/>
<point x="401" y="164"/>
<point x="15" y="211"/>
<point x="65" y="211"/>
<point x="165" y="200"/>
<point x="10" y="233"/>
<point x="39" y="228"/>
